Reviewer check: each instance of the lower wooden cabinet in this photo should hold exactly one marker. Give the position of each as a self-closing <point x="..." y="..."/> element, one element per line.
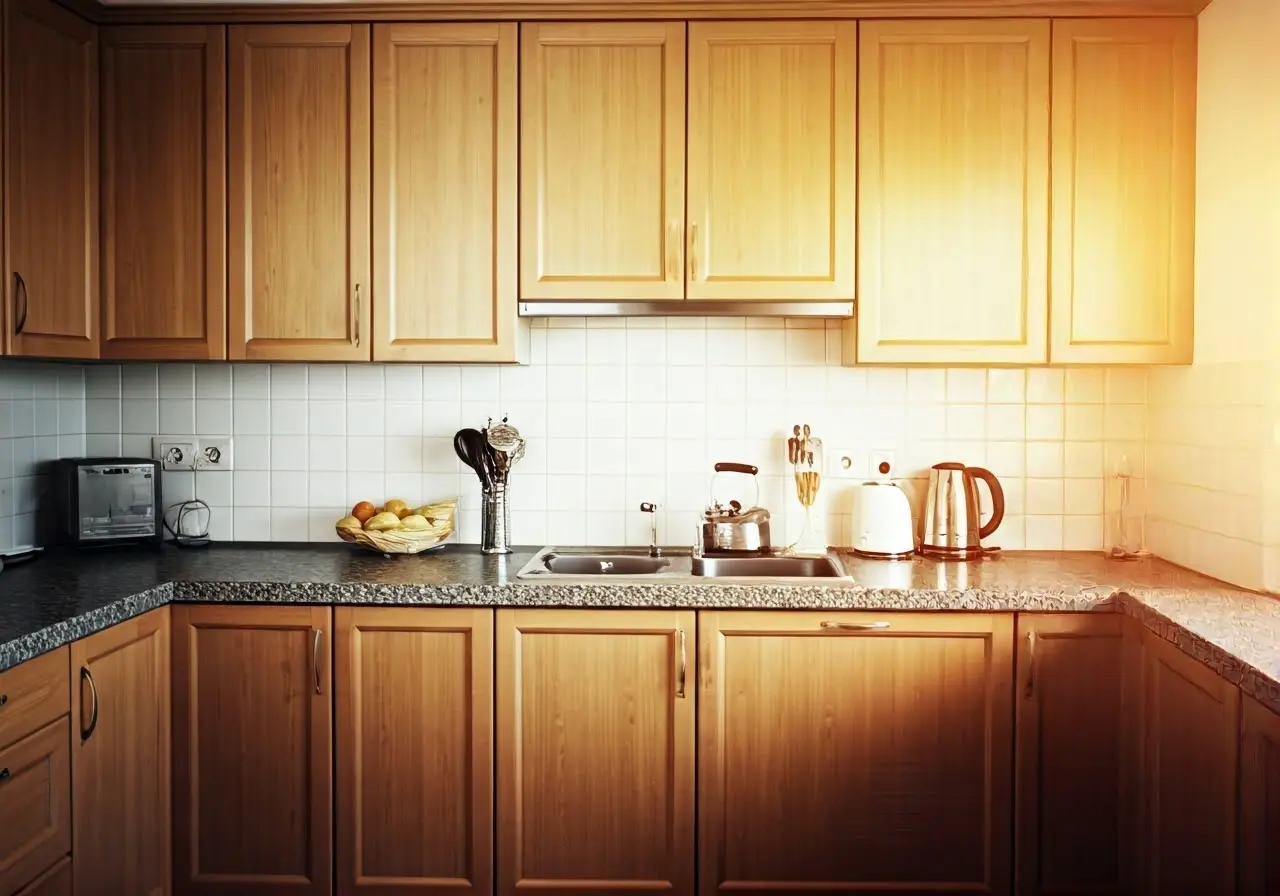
<point x="121" y="830"/>
<point x="595" y="767"/>
<point x="855" y="752"/>
<point x="252" y="750"/>
<point x="1190" y="716"/>
<point x="54" y="882"/>
<point x="414" y="689"/>
<point x="1078" y="755"/>
<point x="1259" y="800"/>
<point x="35" y="804"/>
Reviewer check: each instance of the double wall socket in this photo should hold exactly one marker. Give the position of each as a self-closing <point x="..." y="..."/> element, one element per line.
<point x="206" y="453"/>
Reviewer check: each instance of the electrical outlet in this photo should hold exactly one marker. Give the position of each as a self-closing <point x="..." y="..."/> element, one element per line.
<point x="883" y="464"/>
<point x="174" y="452"/>
<point x="846" y="463"/>
<point x="214" y="454"/>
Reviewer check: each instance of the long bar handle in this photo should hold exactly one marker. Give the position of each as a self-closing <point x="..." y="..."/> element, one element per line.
<point x="1031" y="665"/>
<point x="693" y="250"/>
<point x="87" y="676"/>
<point x="683" y="671"/>
<point x="357" y="315"/>
<point x="315" y="655"/>
<point x="20" y="320"/>
<point x="856" y="626"/>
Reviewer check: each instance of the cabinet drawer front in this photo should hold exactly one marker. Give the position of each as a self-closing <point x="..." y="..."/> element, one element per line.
<point x="54" y="882"/>
<point x="35" y="803"/>
<point x="33" y="694"/>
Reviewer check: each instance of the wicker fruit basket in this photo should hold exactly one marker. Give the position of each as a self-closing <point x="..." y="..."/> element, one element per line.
<point x="407" y="541"/>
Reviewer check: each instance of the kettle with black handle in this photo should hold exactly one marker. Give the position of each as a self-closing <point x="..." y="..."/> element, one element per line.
<point x="950" y="528"/>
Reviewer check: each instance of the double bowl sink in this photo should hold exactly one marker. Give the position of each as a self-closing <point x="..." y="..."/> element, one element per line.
<point x="630" y="563"/>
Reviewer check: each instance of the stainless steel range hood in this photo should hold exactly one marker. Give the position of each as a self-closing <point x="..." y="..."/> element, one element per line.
<point x="685" y="309"/>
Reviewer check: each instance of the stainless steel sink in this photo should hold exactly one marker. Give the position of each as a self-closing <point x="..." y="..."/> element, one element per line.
<point x="772" y="566"/>
<point x="676" y="565"/>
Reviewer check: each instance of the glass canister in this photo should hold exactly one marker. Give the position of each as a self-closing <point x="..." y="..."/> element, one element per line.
<point x="805" y="454"/>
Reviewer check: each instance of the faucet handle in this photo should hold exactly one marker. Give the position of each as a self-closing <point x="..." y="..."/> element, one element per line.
<point x="648" y="507"/>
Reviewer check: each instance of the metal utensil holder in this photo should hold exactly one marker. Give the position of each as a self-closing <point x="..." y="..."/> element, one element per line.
<point x="495" y="520"/>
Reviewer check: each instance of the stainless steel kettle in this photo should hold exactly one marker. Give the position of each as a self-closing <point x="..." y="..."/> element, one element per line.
<point x="950" y="528"/>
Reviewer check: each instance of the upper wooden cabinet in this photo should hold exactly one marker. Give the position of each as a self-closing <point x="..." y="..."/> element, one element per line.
<point x="771" y="160"/>
<point x="299" y="192"/>
<point x="164" y="234"/>
<point x="953" y="183"/>
<point x="855" y="752"/>
<point x="602" y="145"/>
<point x="595" y="751"/>
<point x="414" y="691"/>
<point x="120" y="758"/>
<point x="51" y="180"/>
<point x="252" y="750"/>
<point x="444" y="193"/>
<point x="1079" y="755"/>
<point x="1191" y="717"/>
<point x="1124" y="120"/>
<point x="1259" y="800"/>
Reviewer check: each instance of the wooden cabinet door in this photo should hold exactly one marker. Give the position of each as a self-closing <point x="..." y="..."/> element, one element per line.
<point x="1079" y="753"/>
<point x="298" y="125"/>
<point x="164" y="235"/>
<point x="1259" y="800"/>
<point x="771" y="160"/>
<point x="252" y="750"/>
<point x="1191" y="718"/>
<point x="54" y="882"/>
<point x="1124" y="132"/>
<point x="953" y="185"/>
<point x="855" y="752"/>
<point x="120" y="754"/>
<point x="35" y="804"/>
<point x="444" y="193"/>
<point x="415" y="750"/>
<point x="595" y="751"/>
<point x="51" y="180"/>
<point x="602" y="161"/>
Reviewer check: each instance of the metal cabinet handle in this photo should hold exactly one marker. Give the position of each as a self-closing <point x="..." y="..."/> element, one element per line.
<point x="315" y="655"/>
<point x="693" y="251"/>
<point x="4" y="774"/>
<point x="357" y="315"/>
<point x="87" y="676"/>
<point x="856" y="626"/>
<point x="1031" y="665"/>
<point x="683" y="671"/>
<point x="4" y="698"/>
<point x="19" y="288"/>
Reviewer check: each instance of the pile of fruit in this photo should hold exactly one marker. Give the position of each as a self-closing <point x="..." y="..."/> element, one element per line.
<point x="397" y="515"/>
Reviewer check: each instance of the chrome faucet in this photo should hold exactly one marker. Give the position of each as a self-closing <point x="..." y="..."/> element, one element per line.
<point x="652" y="510"/>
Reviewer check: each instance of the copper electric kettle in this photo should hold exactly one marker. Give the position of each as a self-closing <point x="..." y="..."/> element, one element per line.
<point x="950" y="528"/>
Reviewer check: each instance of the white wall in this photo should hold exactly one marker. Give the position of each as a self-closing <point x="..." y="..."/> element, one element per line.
<point x="42" y="415"/>
<point x="617" y="412"/>
<point x="1214" y="474"/>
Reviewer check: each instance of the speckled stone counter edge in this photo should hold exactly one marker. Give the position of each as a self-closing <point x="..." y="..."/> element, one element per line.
<point x="1250" y="679"/>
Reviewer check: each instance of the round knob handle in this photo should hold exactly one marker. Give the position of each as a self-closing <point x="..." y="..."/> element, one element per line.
<point x="4" y="698"/>
<point x="4" y="774"/>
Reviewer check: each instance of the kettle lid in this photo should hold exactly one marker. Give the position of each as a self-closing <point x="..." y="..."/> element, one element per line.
<point x="948" y="465"/>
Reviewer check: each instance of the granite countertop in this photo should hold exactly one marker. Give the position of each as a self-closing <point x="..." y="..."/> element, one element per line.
<point x="65" y="594"/>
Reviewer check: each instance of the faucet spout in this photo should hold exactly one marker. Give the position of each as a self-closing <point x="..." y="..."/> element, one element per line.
<point x="652" y="510"/>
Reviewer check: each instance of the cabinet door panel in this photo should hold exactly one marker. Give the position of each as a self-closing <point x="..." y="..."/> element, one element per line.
<point x="252" y="750"/>
<point x="855" y="759"/>
<point x="415" y="750"/>
<point x="299" y="192"/>
<point x="1259" y="801"/>
<point x="35" y="804"/>
<point x="164" y="192"/>
<point x="953" y="192"/>
<point x="1079" y="712"/>
<point x="1124" y="121"/>
<point x="595" y="751"/>
<point x="602" y="160"/>
<point x="120" y="773"/>
<point x="51" y="182"/>
<point x="54" y="882"/>
<point x="1192" y="734"/>
<point x="771" y="160"/>
<point x="445" y="171"/>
